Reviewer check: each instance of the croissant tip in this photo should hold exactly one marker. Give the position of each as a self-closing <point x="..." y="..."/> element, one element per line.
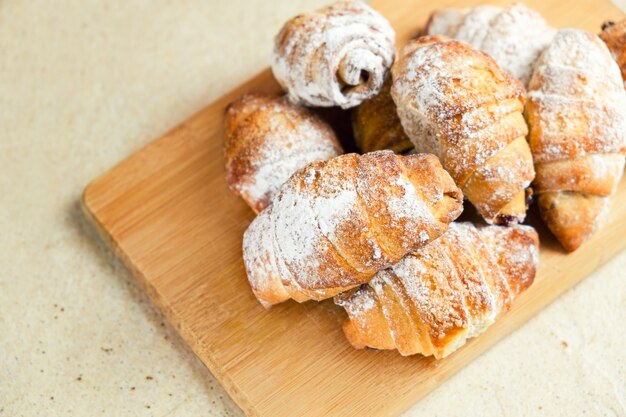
<point x="572" y="217"/>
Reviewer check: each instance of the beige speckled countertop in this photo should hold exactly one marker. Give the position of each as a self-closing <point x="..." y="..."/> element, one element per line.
<point x="83" y="85"/>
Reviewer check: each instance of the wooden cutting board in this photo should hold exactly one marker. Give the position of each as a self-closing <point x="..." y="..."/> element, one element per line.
<point x="168" y="214"/>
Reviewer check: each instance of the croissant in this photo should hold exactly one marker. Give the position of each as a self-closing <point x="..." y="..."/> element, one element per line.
<point x="376" y="124"/>
<point x="514" y="35"/>
<point x="334" y="224"/>
<point x="266" y="140"/>
<point x="577" y="117"/>
<point x="439" y="296"/>
<point x="337" y="56"/>
<point x="614" y="35"/>
<point x="456" y="103"/>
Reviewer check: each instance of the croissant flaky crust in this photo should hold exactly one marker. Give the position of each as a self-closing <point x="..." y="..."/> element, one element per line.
<point x="456" y="103"/>
<point x="334" y="224"/>
<point x="337" y="56"/>
<point x="266" y="140"/>
<point x="577" y="117"/>
<point x="614" y="35"/>
<point x="436" y="298"/>
<point x="376" y="124"/>
<point x="513" y="35"/>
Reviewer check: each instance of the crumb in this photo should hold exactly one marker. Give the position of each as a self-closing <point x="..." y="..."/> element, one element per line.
<point x="564" y="344"/>
<point x="149" y="378"/>
<point x="132" y="388"/>
<point x="80" y="378"/>
<point x="107" y="350"/>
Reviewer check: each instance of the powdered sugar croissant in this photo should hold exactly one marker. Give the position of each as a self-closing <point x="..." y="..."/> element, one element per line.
<point x="266" y="140"/>
<point x="337" y="56"/>
<point x="456" y="103"/>
<point x="334" y="224"/>
<point x="513" y="35"/>
<point x="436" y="298"/>
<point x="577" y="116"/>
<point x="376" y="125"/>
<point x="614" y="35"/>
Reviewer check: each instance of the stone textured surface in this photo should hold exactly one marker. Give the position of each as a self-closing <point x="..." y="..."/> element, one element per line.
<point x="84" y="84"/>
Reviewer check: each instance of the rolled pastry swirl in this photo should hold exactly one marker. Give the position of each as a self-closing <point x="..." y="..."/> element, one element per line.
<point x="334" y="224"/>
<point x="577" y="116"/>
<point x="267" y="139"/>
<point x="439" y="296"/>
<point x="337" y="56"/>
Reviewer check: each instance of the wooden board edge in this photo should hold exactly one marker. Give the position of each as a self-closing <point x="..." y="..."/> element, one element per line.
<point x="186" y="334"/>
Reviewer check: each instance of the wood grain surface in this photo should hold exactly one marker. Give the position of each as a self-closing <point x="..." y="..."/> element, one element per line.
<point x="168" y="214"/>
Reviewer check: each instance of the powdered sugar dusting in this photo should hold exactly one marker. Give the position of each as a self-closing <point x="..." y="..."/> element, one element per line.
<point x="453" y="286"/>
<point x="578" y="103"/>
<point x="321" y="236"/>
<point x="269" y="144"/>
<point x="337" y="56"/>
<point x="514" y="36"/>
<point x="455" y="102"/>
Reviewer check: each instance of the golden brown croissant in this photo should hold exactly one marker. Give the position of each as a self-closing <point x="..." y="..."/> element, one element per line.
<point x="337" y="56"/>
<point x="334" y="224"/>
<point x="456" y="103"/>
<point x="439" y="296"/>
<point x="514" y="35"/>
<point x="376" y="124"/>
<point x="614" y="35"/>
<point x="577" y="117"/>
<point x="267" y="139"/>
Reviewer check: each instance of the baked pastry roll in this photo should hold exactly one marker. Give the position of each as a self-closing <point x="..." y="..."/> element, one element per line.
<point x="334" y="224"/>
<point x="439" y="296"/>
<point x="266" y="140"/>
<point x="456" y="103"/>
<point x="513" y="35"/>
<point x="337" y="56"/>
<point x="577" y="116"/>
<point x="376" y="124"/>
<point x="614" y="35"/>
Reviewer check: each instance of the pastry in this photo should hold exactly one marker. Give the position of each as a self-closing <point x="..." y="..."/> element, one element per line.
<point x="266" y="140"/>
<point x="456" y="103"/>
<point x="577" y="117"/>
<point x="337" y="56"/>
<point x="334" y="224"/>
<point x="439" y="296"/>
<point x="514" y="35"/>
<point x="376" y="124"/>
<point x="614" y="35"/>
